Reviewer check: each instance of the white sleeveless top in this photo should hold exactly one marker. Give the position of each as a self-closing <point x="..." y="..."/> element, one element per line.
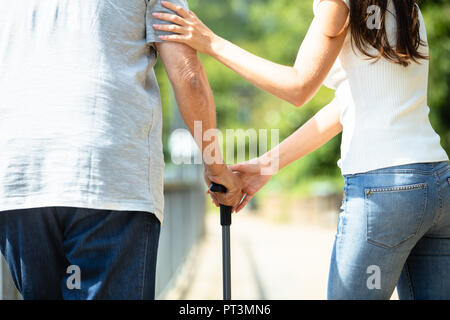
<point x="384" y="111"/>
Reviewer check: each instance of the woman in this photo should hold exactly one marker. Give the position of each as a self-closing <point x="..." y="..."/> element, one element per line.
<point x="394" y="227"/>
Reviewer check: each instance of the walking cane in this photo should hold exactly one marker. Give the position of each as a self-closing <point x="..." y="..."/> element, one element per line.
<point x="225" y="221"/>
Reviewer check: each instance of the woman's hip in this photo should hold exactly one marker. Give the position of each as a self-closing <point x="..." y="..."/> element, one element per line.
<point x="390" y="206"/>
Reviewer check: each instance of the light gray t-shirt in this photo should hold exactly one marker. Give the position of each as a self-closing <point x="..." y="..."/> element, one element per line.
<point x="80" y="109"/>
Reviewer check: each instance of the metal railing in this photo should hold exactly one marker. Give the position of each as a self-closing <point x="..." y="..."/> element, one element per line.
<point x="184" y="222"/>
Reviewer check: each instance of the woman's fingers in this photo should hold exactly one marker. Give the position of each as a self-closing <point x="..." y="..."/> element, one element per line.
<point x="170" y="27"/>
<point x="240" y="203"/>
<point x="170" y="18"/>
<point x="175" y="8"/>
<point x="174" y="38"/>
<point x="196" y="34"/>
<point x="243" y="203"/>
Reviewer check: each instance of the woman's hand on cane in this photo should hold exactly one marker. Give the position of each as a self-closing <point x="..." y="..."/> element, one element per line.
<point x="252" y="177"/>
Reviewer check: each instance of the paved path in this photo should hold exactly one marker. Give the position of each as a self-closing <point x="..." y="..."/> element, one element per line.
<point x="269" y="261"/>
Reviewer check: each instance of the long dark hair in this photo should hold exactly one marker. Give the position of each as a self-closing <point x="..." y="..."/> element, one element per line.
<point x="408" y="37"/>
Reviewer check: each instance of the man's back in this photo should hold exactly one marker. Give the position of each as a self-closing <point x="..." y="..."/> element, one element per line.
<point x="81" y="162"/>
<point x="80" y="111"/>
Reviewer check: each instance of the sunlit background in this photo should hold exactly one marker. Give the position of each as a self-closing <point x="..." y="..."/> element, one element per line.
<point x="281" y="244"/>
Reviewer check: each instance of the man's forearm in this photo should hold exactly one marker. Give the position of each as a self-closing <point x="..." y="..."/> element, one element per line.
<point x="194" y="96"/>
<point x="195" y="101"/>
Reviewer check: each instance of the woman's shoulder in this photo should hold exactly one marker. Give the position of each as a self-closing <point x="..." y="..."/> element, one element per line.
<point x="316" y="3"/>
<point x="332" y="17"/>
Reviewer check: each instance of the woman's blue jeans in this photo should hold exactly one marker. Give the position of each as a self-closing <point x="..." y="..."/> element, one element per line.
<point x="80" y="253"/>
<point x="393" y="230"/>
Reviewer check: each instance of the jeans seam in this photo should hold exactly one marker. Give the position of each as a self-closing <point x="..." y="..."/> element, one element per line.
<point x="393" y="171"/>
<point x="408" y="278"/>
<point x="398" y="188"/>
<point x="441" y="207"/>
<point x="340" y="229"/>
<point x="344" y="206"/>
<point x="443" y="170"/>
<point x="145" y="259"/>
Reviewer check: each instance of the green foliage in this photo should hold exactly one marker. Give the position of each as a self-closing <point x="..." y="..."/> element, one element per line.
<point x="274" y="30"/>
<point x="437" y="19"/>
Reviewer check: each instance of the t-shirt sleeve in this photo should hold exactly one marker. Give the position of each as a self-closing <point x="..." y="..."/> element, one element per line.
<point x="152" y="35"/>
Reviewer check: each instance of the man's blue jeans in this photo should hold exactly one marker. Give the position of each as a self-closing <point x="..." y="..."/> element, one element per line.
<point x="113" y="253"/>
<point x="394" y="229"/>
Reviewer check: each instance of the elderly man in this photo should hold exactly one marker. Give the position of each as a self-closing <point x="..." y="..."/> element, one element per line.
<point x="81" y="162"/>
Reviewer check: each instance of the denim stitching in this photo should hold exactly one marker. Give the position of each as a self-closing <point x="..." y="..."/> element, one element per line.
<point x="342" y="214"/>
<point x="393" y="171"/>
<point x="424" y="208"/>
<point x="443" y="170"/>
<point x="340" y="228"/>
<point x="441" y="204"/>
<point x="398" y="188"/>
<point x="145" y="258"/>
<point x="408" y="278"/>
<point x="366" y="209"/>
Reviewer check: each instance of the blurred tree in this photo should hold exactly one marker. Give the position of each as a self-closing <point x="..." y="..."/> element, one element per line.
<point x="437" y="19"/>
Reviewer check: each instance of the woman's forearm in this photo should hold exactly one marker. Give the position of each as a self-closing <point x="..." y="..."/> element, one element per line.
<point x="279" y="80"/>
<point x="321" y="128"/>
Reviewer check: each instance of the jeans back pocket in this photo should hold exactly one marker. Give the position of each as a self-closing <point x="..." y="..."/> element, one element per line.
<point x="394" y="214"/>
